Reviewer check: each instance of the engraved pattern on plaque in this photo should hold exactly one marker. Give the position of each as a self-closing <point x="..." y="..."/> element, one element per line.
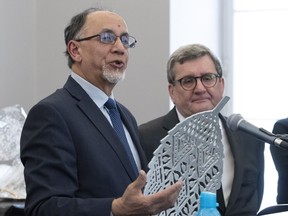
<point x="192" y="151"/>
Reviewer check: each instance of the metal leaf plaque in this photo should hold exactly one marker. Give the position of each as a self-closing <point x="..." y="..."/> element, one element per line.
<point x="192" y="151"/>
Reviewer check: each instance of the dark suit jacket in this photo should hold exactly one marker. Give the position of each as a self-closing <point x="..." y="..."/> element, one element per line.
<point x="248" y="152"/>
<point x="73" y="162"/>
<point x="280" y="158"/>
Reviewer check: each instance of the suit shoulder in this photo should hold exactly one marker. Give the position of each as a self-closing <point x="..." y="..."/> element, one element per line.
<point x="281" y="126"/>
<point x="282" y="121"/>
<point x="57" y="97"/>
<point x="152" y="124"/>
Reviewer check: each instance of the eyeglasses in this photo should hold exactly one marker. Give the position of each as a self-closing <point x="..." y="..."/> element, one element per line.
<point x="189" y="82"/>
<point x="110" y="38"/>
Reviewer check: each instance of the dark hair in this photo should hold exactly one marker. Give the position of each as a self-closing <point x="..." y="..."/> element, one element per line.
<point x="73" y="30"/>
<point x="190" y="52"/>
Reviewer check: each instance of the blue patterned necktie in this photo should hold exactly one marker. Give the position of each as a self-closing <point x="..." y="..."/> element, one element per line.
<point x="118" y="127"/>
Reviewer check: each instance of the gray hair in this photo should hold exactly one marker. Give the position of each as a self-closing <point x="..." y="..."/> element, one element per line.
<point x="190" y="52"/>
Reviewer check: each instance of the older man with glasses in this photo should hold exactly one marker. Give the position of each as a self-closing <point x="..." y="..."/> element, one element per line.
<point x="80" y="147"/>
<point x="196" y="84"/>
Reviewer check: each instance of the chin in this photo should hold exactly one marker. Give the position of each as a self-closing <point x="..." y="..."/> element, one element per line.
<point x="114" y="78"/>
<point x="203" y="109"/>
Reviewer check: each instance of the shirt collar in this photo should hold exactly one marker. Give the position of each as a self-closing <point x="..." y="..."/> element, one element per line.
<point x="180" y="116"/>
<point x="96" y="94"/>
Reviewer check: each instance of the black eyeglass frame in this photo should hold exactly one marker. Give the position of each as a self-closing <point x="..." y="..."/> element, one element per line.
<point x="214" y="75"/>
<point x="132" y="45"/>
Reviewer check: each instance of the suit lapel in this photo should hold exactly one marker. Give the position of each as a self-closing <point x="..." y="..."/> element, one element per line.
<point x="170" y="120"/>
<point x="95" y="115"/>
<point x="238" y="167"/>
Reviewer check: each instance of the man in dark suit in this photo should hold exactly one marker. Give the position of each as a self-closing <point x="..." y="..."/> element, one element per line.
<point x="75" y="163"/>
<point x="280" y="158"/>
<point x="196" y="84"/>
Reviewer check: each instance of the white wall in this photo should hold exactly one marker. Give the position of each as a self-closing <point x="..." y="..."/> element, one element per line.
<point x="32" y="44"/>
<point x="194" y="21"/>
<point x="17" y="52"/>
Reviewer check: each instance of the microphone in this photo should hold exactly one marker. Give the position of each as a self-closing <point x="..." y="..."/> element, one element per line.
<point x="237" y="122"/>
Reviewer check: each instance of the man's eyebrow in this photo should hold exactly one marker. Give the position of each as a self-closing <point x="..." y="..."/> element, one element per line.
<point x="106" y="30"/>
<point x="110" y="30"/>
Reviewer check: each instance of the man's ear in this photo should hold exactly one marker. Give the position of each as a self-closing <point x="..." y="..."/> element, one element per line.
<point x="171" y="91"/>
<point x="73" y="49"/>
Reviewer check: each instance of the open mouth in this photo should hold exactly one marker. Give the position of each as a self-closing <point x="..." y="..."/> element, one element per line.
<point x="117" y="64"/>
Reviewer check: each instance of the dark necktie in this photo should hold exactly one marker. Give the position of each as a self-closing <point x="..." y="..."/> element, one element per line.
<point x="118" y="127"/>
